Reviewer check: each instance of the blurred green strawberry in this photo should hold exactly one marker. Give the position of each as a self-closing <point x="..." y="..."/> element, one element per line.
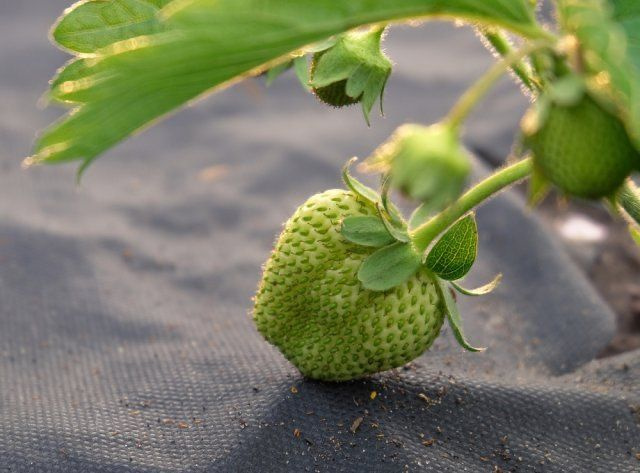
<point x="313" y="307"/>
<point x="428" y="163"/>
<point x="582" y="148"/>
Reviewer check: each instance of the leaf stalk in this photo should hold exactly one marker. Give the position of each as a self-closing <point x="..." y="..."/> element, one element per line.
<point x="477" y="91"/>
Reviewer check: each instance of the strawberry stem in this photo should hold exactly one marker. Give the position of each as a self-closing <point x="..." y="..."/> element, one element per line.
<point x="429" y="231"/>
<point x="501" y="44"/>
<point x="477" y="91"/>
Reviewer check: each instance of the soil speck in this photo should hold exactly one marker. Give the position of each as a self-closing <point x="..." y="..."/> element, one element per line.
<point x="356" y="425"/>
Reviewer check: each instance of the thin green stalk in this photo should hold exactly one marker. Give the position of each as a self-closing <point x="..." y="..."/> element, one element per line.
<point x="427" y="232"/>
<point x="504" y="47"/>
<point x="477" y="91"/>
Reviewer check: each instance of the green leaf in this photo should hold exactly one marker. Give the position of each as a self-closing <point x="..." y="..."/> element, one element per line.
<point x="453" y="316"/>
<point x="366" y="231"/>
<point x="479" y="291"/>
<point x="629" y="199"/>
<point x="357" y="187"/>
<point x="627" y="14"/>
<point x="536" y="115"/>
<point x="388" y="267"/>
<point x="201" y="45"/>
<point x="454" y="254"/>
<point x="628" y="203"/>
<point x="72" y="73"/>
<point x="92" y="25"/>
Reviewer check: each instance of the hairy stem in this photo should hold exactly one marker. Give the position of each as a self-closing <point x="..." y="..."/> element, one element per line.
<point x="503" y="47"/>
<point x="477" y="91"/>
<point x="427" y="232"/>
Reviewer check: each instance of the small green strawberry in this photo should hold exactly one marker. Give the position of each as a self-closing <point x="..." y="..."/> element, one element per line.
<point x="428" y="163"/>
<point x="582" y="148"/>
<point x="313" y="307"/>
<point x="352" y="70"/>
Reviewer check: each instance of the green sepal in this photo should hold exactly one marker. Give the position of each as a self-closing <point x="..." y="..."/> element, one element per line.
<point x="392" y="211"/>
<point x="299" y="65"/>
<point x="364" y="192"/>
<point x="536" y="116"/>
<point x="538" y="189"/>
<point x="389" y="215"/>
<point x="453" y="315"/>
<point x="301" y="68"/>
<point x="321" y="45"/>
<point x="389" y="266"/>
<point x="479" y="291"/>
<point x="398" y="233"/>
<point x="276" y="71"/>
<point x="568" y="90"/>
<point x="635" y="234"/>
<point x="454" y="254"/>
<point x="366" y="231"/>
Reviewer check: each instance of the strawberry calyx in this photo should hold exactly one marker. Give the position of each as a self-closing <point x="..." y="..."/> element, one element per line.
<point x="427" y="163"/>
<point x="396" y="259"/>
<point x="353" y="70"/>
<point x="389" y="223"/>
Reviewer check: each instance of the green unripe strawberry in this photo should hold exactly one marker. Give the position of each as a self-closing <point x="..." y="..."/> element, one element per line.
<point x="311" y="305"/>
<point x="334" y="94"/>
<point x="352" y="70"/>
<point x="583" y="149"/>
<point x="428" y="163"/>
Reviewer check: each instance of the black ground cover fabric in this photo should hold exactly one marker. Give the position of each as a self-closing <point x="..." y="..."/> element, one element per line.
<point x="126" y="343"/>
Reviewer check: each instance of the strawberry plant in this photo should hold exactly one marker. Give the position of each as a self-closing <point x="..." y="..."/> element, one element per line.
<point x="353" y="286"/>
